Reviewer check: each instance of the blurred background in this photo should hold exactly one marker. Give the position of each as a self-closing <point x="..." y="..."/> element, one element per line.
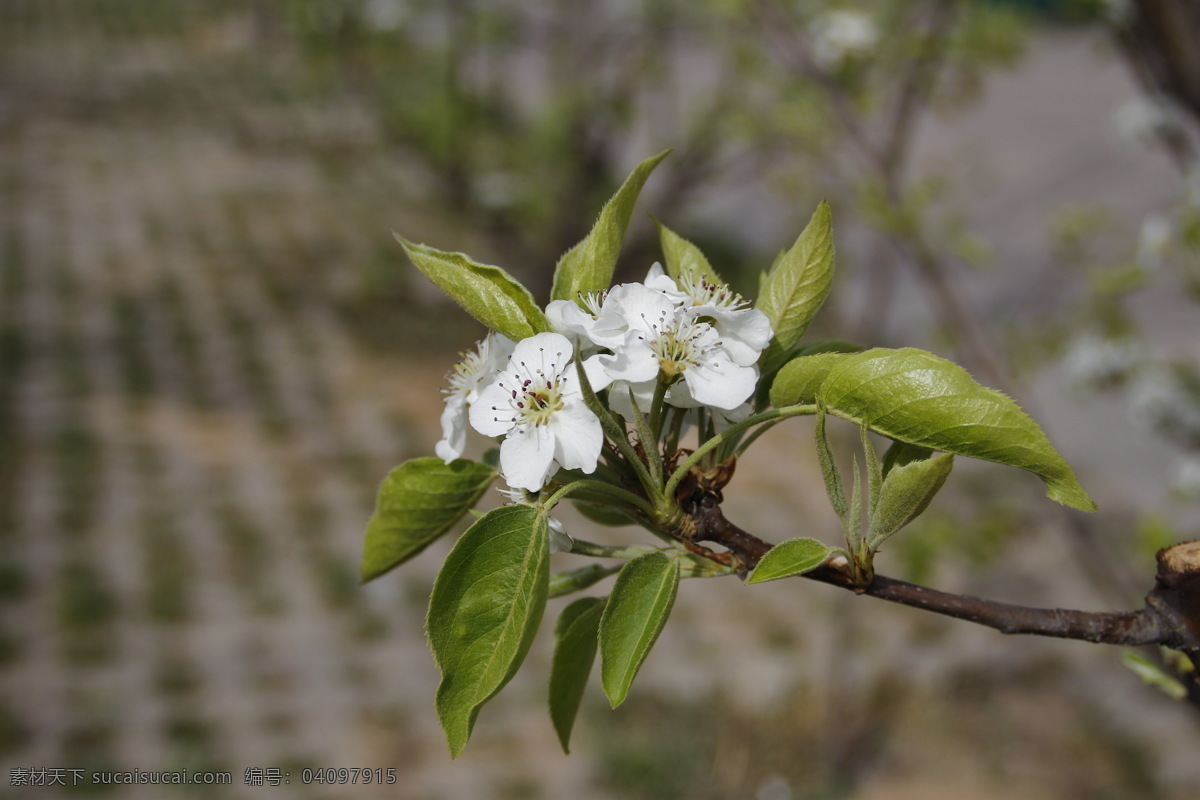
<point x="212" y="350"/>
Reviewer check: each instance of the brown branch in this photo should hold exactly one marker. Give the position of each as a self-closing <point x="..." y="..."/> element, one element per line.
<point x="1171" y="616"/>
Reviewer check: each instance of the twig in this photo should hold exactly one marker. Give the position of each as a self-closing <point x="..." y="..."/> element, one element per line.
<point x="1170" y="617"/>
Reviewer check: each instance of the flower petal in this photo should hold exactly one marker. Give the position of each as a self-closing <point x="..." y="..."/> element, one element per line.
<point x="577" y="437"/>
<point x="720" y="383"/>
<point x="454" y="430"/>
<point x="634" y="361"/>
<point x="491" y="413"/>
<point x="643" y="395"/>
<point x="526" y="457"/>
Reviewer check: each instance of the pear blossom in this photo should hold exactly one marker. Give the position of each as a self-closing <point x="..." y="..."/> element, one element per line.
<point x="537" y="405"/>
<point x="840" y="35"/>
<point x="475" y="368"/>
<point x="574" y="320"/>
<point x="661" y="338"/>
<point x="745" y="332"/>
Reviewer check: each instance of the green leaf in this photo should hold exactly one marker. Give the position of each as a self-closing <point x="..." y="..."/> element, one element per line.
<point x="874" y="469"/>
<point x="488" y="293"/>
<point x="800" y="379"/>
<point x="901" y="453"/>
<point x="684" y="258"/>
<point x="486" y="605"/>
<point x="588" y="266"/>
<point x="797" y="285"/>
<point x="829" y="471"/>
<point x="853" y="521"/>
<point x="574" y="580"/>
<point x="818" y="346"/>
<point x="574" y="654"/>
<point x="603" y="515"/>
<point x="790" y="558"/>
<point x="906" y="493"/>
<point x="637" y="609"/>
<point x="914" y="396"/>
<point x="1153" y="675"/>
<point x="419" y="501"/>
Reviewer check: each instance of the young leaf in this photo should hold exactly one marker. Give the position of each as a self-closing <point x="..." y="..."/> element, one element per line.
<point x="574" y="654"/>
<point x="604" y="515"/>
<point x="901" y="453"/>
<point x="916" y="397"/>
<point x="790" y="558"/>
<point x="574" y="580"/>
<point x="588" y="266"/>
<point x="637" y="609"/>
<point x="906" y="492"/>
<point x="488" y="293"/>
<point x="829" y="471"/>
<point x="874" y="470"/>
<point x="419" y="501"/>
<point x="853" y="520"/>
<point x="797" y="285"/>
<point x="1153" y="675"/>
<point x="684" y="258"/>
<point x="485" y="608"/>
<point x="801" y="378"/>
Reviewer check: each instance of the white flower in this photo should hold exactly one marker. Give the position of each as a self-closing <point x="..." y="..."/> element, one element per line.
<point x="574" y="321"/>
<point x="643" y="397"/>
<point x="537" y="405"/>
<point x="475" y="368"/>
<point x="839" y="35"/>
<point x="745" y="332"/>
<point x="662" y="338"/>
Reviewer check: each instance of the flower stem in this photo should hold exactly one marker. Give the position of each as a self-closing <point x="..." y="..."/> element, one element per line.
<point x="601" y="488"/>
<point x="656" y="410"/>
<point x="582" y="547"/>
<point x="716" y="440"/>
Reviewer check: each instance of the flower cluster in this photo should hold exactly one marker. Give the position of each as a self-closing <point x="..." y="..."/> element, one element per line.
<point x="694" y="344"/>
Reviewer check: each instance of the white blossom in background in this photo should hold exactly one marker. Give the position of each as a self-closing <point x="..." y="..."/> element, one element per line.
<point x="1191" y="186"/>
<point x="475" y="369"/>
<point x="1140" y="119"/>
<point x="840" y="35"/>
<point x="1154" y="243"/>
<point x="1094" y="361"/>
<point x="497" y="189"/>
<point x="1160" y="400"/>
<point x="1185" y="477"/>
<point x="384" y="15"/>
<point x="1117" y="12"/>
<point x="537" y="405"/>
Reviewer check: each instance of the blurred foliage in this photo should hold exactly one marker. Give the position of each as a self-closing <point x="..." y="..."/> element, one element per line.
<point x="521" y="118"/>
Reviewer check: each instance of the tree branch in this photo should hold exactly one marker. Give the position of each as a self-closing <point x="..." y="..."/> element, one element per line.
<point x="1171" y="616"/>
